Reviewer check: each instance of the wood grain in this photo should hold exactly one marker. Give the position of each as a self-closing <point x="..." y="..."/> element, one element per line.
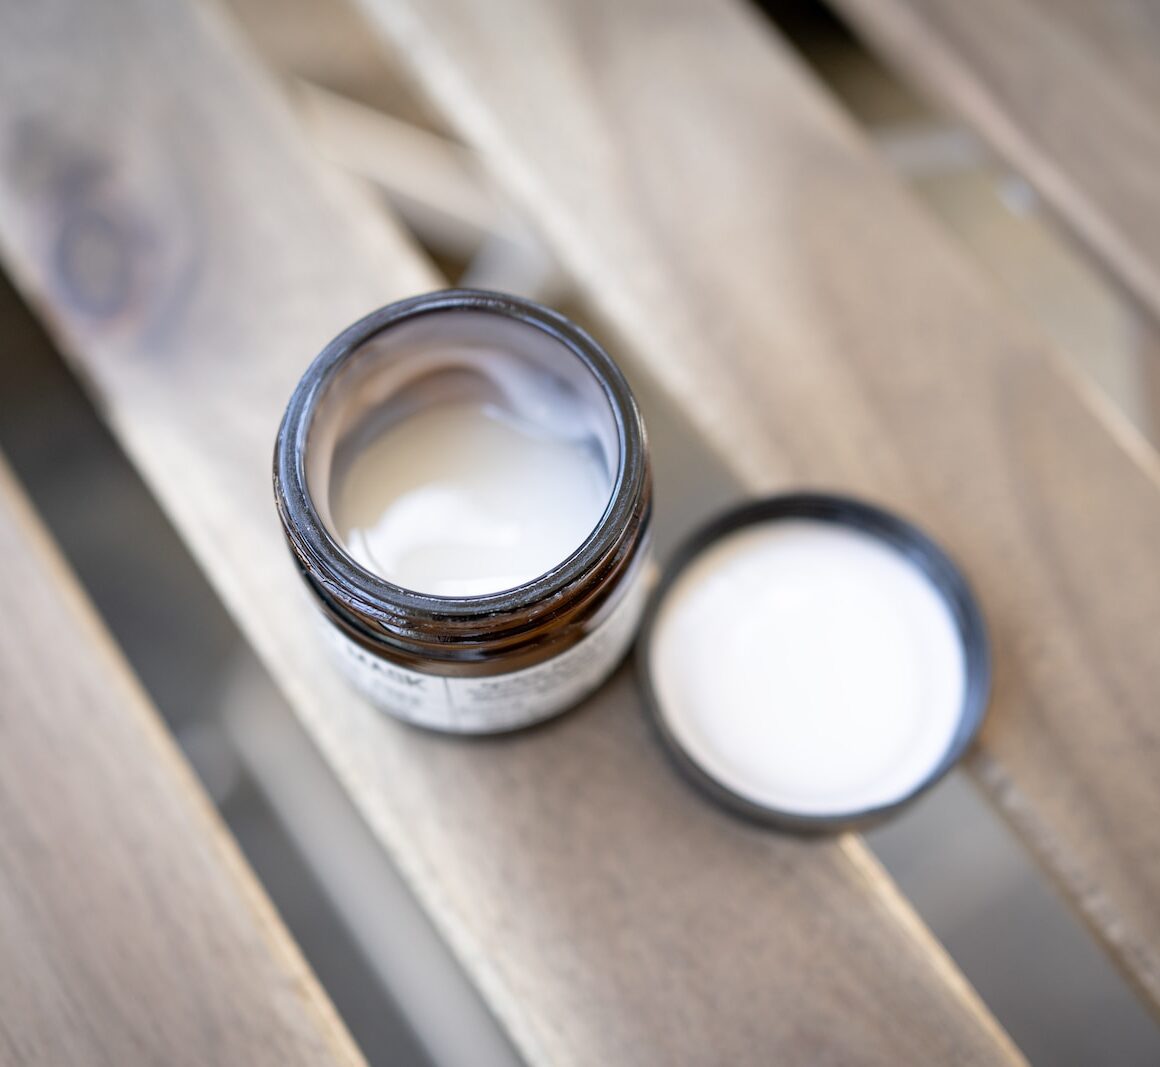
<point x="819" y="328"/>
<point x="158" y="205"/>
<point x="131" y="929"/>
<point x="1067" y="90"/>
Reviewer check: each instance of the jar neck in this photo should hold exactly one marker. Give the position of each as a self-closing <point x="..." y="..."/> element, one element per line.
<point x="424" y="631"/>
<point x="374" y="607"/>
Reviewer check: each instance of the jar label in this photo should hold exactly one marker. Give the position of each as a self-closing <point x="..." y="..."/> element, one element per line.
<point x="492" y="703"/>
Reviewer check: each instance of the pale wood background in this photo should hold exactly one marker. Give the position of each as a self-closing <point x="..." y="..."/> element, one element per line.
<point x="131" y="929"/>
<point x="585" y="889"/>
<point x="1068" y="90"/>
<point x="718" y="212"/>
<point x="721" y="212"/>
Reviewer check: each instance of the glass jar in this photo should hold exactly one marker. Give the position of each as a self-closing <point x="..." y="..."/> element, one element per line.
<point x="434" y="370"/>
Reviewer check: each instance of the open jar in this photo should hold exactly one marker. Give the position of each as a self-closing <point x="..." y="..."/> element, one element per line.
<point x="463" y="478"/>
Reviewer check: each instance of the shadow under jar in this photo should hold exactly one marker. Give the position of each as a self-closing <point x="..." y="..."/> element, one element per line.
<point x="463" y="479"/>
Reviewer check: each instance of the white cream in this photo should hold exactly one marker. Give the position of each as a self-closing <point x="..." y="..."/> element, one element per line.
<point x="809" y="667"/>
<point x="465" y="498"/>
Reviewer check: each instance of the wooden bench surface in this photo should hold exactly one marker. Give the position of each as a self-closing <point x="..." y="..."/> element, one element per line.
<point x="819" y="328"/>
<point x="1067" y="90"/>
<point x="131" y="929"/>
<point x="157" y="204"/>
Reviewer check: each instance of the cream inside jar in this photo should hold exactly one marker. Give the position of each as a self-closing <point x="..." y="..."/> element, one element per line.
<point x="462" y="457"/>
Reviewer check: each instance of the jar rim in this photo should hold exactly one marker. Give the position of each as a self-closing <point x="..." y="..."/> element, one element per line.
<point x="352" y="587"/>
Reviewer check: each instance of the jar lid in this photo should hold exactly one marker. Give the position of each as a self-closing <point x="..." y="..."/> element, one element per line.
<point x="814" y="662"/>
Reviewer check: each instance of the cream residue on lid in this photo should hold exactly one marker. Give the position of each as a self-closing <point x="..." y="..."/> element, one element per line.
<point x="808" y="667"/>
<point x="467" y="498"/>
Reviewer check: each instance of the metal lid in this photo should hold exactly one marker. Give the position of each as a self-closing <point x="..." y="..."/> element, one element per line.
<point x="814" y="662"/>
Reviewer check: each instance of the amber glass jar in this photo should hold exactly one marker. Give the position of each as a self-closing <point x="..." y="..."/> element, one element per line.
<point x="495" y="659"/>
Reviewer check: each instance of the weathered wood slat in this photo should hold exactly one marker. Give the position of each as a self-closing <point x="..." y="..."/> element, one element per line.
<point x="131" y="929"/>
<point x="820" y="328"/>
<point x="157" y="204"/>
<point x="1067" y="90"/>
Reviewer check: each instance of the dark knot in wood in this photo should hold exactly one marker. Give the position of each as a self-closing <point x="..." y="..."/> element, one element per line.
<point x="94" y="260"/>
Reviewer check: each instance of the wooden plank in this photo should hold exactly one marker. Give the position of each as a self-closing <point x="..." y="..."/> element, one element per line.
<point x="187" y="250"/>
<point x="820" y="328"/>
<point x="1124" y="34"/>
<point x="326" y="44"/>
<point x="1067" y="90"/>
<point x="131" y="929"/>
